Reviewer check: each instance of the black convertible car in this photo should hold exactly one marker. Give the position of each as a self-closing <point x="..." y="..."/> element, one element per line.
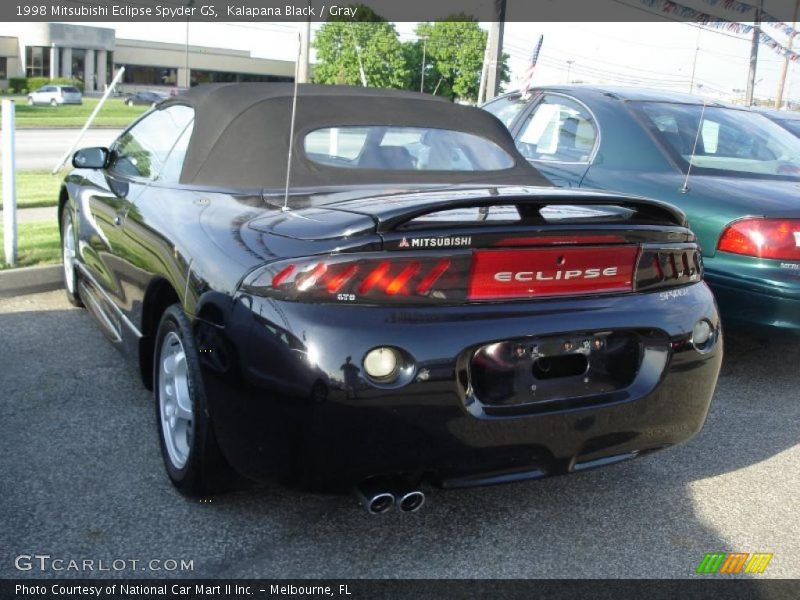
<point x="409" y="306"/>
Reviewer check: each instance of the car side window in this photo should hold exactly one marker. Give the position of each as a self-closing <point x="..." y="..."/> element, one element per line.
<point x="143" y="149"/>
<point x="558" y="130"/>
<point x="171" y="171"/>
<point x="506" y="108"/>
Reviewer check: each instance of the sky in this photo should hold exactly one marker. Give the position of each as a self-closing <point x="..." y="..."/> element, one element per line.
<point x="652" y="54"/>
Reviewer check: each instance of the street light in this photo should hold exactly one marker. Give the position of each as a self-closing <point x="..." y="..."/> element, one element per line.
<point x="569" y="69"/>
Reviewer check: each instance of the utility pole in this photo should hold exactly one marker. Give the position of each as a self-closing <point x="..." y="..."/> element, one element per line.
<point x="422" y="69"/>
<point x="484" y="75"/>
<point x="569" y="69"/>
<point x="495" y="45"/>
<point x="785" y="69"/>
<point x="303" y="70"/>
<point x="751" y="77"/>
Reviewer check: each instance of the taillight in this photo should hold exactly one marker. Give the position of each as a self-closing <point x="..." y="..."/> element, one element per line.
<point x="763" y="238"/>
<point x="366" y="278"/>
<point x="477" y="275"/>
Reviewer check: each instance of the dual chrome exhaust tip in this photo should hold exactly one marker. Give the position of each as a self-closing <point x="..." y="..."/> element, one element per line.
<point x="376" y="500"/>
<point x="411" y="501"/>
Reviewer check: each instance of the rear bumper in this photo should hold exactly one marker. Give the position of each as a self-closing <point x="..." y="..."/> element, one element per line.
<point x="756" y="311"/>
<point x="757" y="295"/>
<point x="286" y="402"/>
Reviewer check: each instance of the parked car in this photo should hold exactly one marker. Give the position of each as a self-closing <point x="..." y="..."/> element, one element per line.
<point x="788" y="119"/>
<point x="407" y="305"/>
<point x="55" y="95"/>
<point x="150" y="98"/>
<point x="733" y="172"/>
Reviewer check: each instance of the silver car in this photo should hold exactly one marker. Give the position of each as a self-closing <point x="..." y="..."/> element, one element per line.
<point x="55" y="95"/>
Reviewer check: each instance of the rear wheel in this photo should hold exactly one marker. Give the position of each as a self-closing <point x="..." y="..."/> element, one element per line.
<point x="129" y="102"/>
<point x="68" y="255"/>
<point x="188" y="445"/>
<point x="53" y="102"/>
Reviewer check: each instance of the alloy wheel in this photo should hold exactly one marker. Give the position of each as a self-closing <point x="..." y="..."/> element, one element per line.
<point x="68" y="253"/>
<point x="175" y="401"/>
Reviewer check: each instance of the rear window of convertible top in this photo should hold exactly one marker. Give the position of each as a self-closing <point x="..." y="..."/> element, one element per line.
<point x="404" y="149"/>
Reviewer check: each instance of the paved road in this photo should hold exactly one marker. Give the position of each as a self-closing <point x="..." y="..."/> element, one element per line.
<point x="43" y="148"/>
<point x="82" y="478"/>
<point x="33" y="215"/>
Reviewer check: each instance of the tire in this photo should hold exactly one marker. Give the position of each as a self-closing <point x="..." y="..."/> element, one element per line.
<point x="53" y="102"/>
<point x="68" y="256"/>
<point x="129" y="102"/>
<point x="189" y="448"/>
<point x="30" y="100"/>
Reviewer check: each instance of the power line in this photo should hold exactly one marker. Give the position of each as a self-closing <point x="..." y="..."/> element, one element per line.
<point x="570" y="54"/>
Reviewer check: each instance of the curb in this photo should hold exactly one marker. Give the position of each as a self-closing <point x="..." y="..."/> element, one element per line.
<point x="30" y="280"/>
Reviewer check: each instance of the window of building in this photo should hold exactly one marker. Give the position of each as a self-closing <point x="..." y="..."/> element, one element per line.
<point x="200" y="76"/>
<point x="109" y="67"/>
<point x="79" y="64"/>
<point x="3" y="67"/>
<point x="37" y="61"/>
<point x="140" y="75"/>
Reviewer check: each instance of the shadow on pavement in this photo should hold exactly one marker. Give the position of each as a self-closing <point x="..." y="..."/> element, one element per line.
<point x="82" y="478"/>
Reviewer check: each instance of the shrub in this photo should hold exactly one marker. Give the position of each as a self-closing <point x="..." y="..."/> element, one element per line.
<point x="18" y="85"/>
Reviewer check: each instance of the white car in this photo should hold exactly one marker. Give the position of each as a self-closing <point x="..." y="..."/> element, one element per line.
<point x="55" y="95"/>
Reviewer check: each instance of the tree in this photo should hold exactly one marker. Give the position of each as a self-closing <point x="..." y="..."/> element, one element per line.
<point x="454" y="52"/>
<point x="345" y="46"/>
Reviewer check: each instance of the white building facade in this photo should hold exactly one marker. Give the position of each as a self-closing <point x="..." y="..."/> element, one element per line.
<point x="92" y="55"/>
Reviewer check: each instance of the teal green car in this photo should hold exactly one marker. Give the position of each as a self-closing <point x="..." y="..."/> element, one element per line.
<point x="735" y="173"/>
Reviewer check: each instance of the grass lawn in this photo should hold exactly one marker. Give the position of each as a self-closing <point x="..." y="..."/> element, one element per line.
<point x="113" y="114"/>
<point x="35" y="188"/>
<point x="37" y="243"/>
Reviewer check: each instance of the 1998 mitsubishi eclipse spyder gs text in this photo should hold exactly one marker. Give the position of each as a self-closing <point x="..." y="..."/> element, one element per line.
<point x="416" y="309"/>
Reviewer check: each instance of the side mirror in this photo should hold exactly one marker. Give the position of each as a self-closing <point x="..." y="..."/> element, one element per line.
<point x="90" y="158"/>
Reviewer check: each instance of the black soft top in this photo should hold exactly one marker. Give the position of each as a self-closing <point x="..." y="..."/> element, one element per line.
<point x="241" y="134"/>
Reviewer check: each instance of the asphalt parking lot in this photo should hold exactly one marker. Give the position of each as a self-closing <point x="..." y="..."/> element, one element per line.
<point x="82" y="478"/>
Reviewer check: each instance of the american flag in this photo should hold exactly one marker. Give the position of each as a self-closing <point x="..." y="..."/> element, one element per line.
<point x="528" y="78"/>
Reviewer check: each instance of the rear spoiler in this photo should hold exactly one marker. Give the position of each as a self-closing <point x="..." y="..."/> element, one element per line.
<point x="645" y="212"/>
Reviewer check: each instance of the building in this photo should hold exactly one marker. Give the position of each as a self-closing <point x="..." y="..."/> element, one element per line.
<point x="94" y="54"/>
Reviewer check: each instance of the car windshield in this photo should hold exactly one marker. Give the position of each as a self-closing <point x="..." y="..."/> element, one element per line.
<point x="404" y="149"/>
<point x="729" y="141"/>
